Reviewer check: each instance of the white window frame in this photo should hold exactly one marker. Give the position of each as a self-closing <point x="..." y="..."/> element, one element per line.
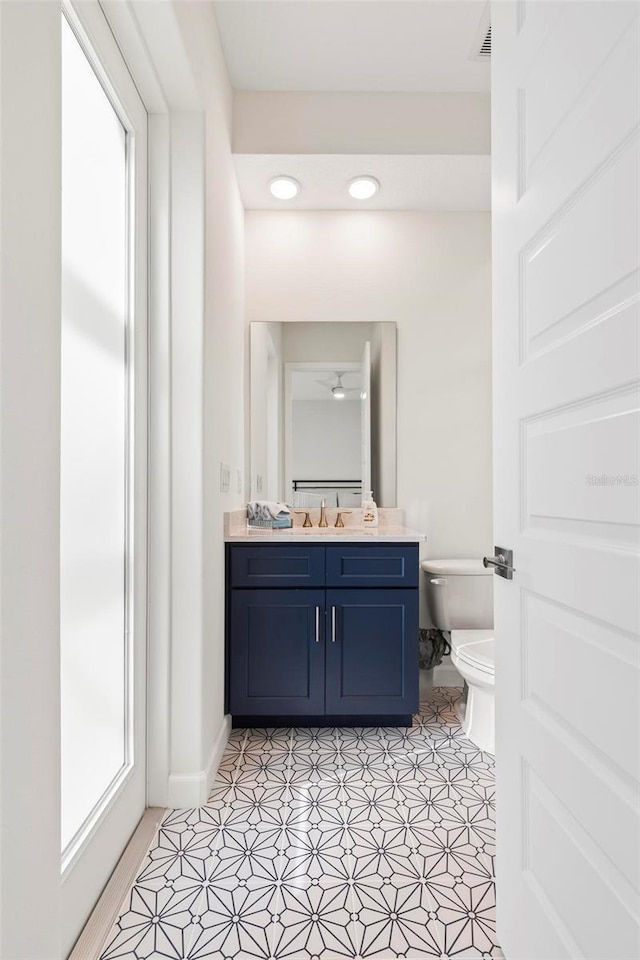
<point x="91" y="30"/>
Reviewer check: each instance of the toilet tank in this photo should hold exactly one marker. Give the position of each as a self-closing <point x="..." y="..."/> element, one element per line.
<point x="459" y="594"/>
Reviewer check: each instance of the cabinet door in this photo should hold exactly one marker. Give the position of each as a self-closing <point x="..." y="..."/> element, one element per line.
<point x="372" y="652"/>
<point x="277" y="652"/>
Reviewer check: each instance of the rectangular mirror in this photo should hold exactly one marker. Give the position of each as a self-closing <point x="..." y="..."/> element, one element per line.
<point x="323" y="413"/>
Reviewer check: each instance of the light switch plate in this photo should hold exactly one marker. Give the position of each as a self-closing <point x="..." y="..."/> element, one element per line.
<point x="225" y="477"/>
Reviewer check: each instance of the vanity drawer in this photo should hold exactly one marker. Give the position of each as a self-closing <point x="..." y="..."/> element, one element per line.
<point x="277" y="566"/>
<point x="374" y="565"/>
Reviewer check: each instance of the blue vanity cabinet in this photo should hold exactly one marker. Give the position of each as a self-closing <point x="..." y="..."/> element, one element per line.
<point x="287" y="565"/>
<point x="277" y="652"/>
<point x="371" y="658"/>
<point x="372" y="564"/>
<point x="323" y="634"/>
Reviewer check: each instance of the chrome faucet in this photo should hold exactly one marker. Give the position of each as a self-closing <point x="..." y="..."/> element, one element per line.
<point x="323" y="514"/>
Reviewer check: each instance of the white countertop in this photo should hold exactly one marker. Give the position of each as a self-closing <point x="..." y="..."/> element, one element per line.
<point x="386" y="533"/>
<point x="391" y="529"/>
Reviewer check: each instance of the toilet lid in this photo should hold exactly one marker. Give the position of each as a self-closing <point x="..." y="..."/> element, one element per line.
<point x="457" y="568"/>
<point x="475" y="647"/>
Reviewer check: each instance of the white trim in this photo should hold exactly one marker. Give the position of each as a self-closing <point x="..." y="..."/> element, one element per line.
<point x="130" y="38"/>
<point x="93" y="938"/>
<point x="155" y="46"/>
<point x="193" y="789"/>
<point x="150" y="38"/>
<point x="91" y="824"/>
<point x="92" y="31"/>
<point x="160" y="600"/>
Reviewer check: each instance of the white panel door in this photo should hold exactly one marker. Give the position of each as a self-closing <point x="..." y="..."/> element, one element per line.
<point x="566" y="217"/>
<point x="365" y="419"/>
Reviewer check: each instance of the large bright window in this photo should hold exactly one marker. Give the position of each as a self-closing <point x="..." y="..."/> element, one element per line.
<point x="95" y="442"/>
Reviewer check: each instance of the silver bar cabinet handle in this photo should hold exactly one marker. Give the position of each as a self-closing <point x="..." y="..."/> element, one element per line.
<point x="317" y="624"/>
<point x="333" y="624"/>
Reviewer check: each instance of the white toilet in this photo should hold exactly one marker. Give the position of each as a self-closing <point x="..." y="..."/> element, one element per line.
<point x="460" y="600"/>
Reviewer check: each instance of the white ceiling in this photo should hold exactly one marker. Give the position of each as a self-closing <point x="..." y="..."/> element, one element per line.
<point x="406" y="182"/>
<point x="370" y="46"/>
<point x="401" y="46"/>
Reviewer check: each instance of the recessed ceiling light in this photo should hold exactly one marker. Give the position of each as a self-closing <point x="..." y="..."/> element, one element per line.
<point x="284" y="188"/>
<point x="363" y="188"/>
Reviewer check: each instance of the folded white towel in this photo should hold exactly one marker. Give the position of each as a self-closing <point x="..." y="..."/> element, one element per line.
<point x="265" y="509"/>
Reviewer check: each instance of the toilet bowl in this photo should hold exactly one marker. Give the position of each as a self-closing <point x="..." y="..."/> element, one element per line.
<point x="460" y="601"/>
<point x="473" y="655"/>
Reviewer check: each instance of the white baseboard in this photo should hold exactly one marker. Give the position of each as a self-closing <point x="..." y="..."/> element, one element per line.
<point x="217" y="750"/>
<point x="193" y="789"/>
<point x="446" y="675"/>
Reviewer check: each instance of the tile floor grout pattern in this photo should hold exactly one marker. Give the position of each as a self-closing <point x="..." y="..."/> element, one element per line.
<point x="327" y="844"/>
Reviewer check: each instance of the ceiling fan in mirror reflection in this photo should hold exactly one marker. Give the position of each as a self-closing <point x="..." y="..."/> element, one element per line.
<point x="336" y="387"/>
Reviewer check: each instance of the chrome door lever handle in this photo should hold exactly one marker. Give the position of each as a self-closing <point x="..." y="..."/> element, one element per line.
<point x="497" y="561"/>
<point x="502" y="562"/>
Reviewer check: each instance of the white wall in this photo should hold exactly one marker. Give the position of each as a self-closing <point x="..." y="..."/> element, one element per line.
<point x="306" y="342"/>
<point x="197" y="707"/>
<point x="325" y="440"/>
<point x="286" y="122"/>
<point x="29" y="491"/>
<point x="431" y="274"/>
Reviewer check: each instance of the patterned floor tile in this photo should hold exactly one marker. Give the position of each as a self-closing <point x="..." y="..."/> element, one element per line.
<point x="252" y="804"/>
<point x="393" y="917"/>
<point x="273" y="742"/>
<point x="236" y="920"/>
<point x="315" y="918"/>
<point x="327" y="844"/>
<point x="308" y="737"/>
<point x="158" y="920"/>
<point x="247" y="854"/>
<point x="381" y="852"/>
<point x="370" y="804"/>
<point x="185" y="855"/>
<point x="401" y="740"/>
<point x="465" y="915"/>
<point x="358" y="738"/>
<point x="314" y="853"/>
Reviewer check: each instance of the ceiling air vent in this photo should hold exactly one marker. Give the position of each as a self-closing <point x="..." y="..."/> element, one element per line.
<point x="484" y="53"/>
